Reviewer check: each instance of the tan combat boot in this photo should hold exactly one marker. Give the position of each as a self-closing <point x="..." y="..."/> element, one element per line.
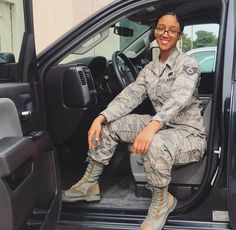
<point x="86" y="188"/>
<point x="162" y="204"/>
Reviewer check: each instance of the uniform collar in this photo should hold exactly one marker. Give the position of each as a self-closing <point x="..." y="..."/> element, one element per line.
<point x="172" y="58"/>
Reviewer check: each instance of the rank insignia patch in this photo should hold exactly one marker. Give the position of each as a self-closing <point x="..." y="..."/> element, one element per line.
<point x="190" y="70"/>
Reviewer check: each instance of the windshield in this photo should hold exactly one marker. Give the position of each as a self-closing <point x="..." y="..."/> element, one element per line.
<point x="138" y="30"/>
<point x="117" y="37"/>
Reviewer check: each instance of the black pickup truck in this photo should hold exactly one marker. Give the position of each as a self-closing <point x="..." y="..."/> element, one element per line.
<point x="48" y="101"/>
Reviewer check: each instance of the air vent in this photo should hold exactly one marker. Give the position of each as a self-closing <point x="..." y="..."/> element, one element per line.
<point x="82" y="77"/>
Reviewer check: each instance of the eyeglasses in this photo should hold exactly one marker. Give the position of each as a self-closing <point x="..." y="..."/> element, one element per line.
<point x="162" y="30"/>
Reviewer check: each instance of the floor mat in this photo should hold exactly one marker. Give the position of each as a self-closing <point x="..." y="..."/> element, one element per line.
<point x="119" y="196"/>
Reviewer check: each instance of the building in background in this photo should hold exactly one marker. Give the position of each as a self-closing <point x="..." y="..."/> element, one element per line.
<point x="11" y="26"/>
<point x="49" y="23"/>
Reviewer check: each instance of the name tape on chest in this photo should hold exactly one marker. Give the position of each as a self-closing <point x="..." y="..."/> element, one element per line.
<point x="190" y="70"/>
<point x="169" y="79"/>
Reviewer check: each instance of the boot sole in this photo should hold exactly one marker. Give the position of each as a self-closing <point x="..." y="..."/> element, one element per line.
<point x="85" y="198"/>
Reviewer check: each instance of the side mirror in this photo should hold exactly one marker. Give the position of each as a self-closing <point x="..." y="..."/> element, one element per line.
<point x="123" y="31"/>
<point x="7" y="58"/>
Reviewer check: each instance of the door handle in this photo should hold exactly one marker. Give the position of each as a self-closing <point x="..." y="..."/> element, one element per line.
<point x="26" y="115"/>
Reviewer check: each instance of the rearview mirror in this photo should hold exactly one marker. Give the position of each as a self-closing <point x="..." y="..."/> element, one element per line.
<point x="123" y="31"/>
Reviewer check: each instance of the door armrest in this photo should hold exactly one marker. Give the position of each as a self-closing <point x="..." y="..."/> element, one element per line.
<point x="14" y="151"/>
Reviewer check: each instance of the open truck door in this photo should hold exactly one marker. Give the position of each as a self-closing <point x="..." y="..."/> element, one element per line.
<point x="30" y="196"/>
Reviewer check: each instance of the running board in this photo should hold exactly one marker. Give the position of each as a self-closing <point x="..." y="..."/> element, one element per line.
<point x="87" y="221"/>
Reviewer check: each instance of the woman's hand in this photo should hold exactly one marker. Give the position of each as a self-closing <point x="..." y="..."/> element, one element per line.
<point x="144" y="138"/>
<point x="95" y="130"/>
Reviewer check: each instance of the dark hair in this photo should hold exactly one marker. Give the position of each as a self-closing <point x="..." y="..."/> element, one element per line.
<point x="178" y="17"/>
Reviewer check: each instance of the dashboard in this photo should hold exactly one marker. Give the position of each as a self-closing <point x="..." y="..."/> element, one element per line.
<point x="89" y="81"/>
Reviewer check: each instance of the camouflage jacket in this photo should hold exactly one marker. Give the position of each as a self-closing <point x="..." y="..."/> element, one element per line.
<point x="172" y="89"/>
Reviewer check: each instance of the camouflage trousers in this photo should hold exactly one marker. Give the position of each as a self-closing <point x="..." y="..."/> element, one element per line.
<point x="169" y="147"/>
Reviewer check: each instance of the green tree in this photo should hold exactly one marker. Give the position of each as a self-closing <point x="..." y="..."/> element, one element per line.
<point x="204" y="39"/>
<point x="186" y="43"/>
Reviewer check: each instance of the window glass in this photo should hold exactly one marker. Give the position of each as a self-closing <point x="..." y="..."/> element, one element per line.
<point x="138" y="30"/>
<point x="206" y="60"/>
<point x="11" y="29"/>
<point x="111" y="42"/>
<point x="200" y="41"/>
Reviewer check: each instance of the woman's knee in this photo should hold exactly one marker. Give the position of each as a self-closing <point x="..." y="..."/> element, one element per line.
<point x="127" y="127"/>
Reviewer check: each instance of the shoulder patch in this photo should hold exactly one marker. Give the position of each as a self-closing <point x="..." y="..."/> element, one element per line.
<point x="190" y="70"/>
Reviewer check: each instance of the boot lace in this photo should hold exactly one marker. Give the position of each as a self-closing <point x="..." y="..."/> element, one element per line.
<point x="157" y="200"/>
<point x="85" y="178"/>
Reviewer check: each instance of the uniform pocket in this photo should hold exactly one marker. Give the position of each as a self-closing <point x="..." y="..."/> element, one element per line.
<point x="192" y="149"/>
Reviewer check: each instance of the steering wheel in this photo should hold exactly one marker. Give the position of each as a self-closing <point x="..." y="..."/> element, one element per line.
<point x="125" y="71"/>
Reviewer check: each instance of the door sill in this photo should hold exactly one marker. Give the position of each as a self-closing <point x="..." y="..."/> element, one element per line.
<point x="98" y="220"/>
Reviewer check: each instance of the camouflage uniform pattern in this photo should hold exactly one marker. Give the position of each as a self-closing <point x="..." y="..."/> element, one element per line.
<point x="172" y="89"/>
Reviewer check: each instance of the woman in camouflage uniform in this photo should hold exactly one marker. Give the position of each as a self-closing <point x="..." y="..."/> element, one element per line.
<point x="173" y="136"/>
